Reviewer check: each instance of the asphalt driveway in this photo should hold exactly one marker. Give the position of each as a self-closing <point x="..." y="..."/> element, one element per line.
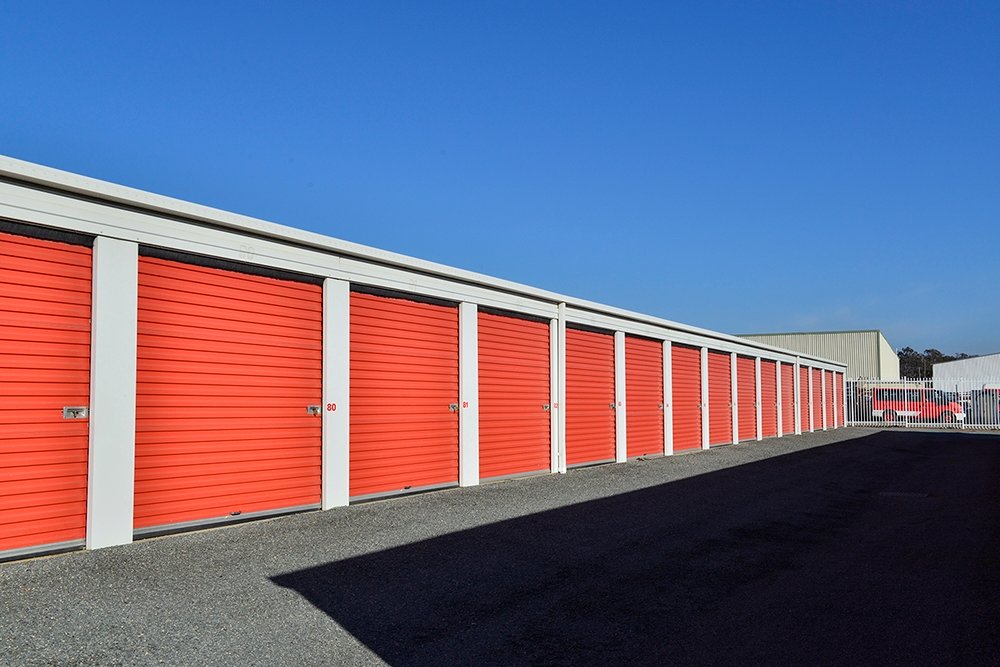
<point x="846" y="547"/>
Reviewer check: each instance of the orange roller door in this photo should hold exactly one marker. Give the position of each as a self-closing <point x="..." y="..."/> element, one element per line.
<point x="514" y="396"/>
<point x="787" y="399"/>
<point x="228" y="364"/>
<point x="720" y="398"/>
<point x="817" y="399"/>
<point x="828" y="385"/>
<point x="404" y="380"/>
<point x="643" y="396"/>
<point x="44" y="366"/>
<point x="686" y="367"/>
<point x="768" y="398"/>
<point x="803" y="399"/>
<point x="590" y="397"/>
<point x="746" y="390"/>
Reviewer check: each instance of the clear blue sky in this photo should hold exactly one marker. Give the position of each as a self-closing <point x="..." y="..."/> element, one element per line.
<point x="719" y="164"/>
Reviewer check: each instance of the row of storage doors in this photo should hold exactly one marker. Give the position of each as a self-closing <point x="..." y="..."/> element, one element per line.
<point x="229" y="393"/>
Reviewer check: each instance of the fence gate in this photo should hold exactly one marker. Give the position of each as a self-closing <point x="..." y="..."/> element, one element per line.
<point x="924" y="403"/>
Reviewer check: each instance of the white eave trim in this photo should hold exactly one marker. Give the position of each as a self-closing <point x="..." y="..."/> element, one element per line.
<point x="66" y="182"/>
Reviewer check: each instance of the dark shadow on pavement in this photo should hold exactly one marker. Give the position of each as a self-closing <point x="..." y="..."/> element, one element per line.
<point x="877" y="550"/>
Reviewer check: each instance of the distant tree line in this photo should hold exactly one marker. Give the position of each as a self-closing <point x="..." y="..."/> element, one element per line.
<point x="913" y="364"/>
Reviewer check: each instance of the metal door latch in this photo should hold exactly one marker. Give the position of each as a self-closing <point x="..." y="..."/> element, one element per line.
<point x="314" y="410"/>
<point x="453" y="407"/>
<point x="76" y="412"/>
<point x="546" y="407"/>
<point x="611" y="405"/>
<point x="661" y="406"/>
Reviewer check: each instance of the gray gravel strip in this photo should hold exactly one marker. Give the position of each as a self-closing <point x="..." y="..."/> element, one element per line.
<point x="600" y="565"/>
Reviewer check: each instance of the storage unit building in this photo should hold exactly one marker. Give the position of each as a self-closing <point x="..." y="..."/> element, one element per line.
<point x="167" y="366"/>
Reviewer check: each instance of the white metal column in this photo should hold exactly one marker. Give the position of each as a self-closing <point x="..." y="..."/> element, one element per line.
<point x="111" y="468"/>
<point x="797" y="383"/>
<point x="554" y="410"/>
<point x="833" y="388"/>
<point x="336" y="393"/>
<point x="843" y="385"/>
<point x="621" y="448"/>
<point x="705" y="407"/>
<point x="757" y="400"/>
<point x="668" y="399"/>
<point x="560" y="404"/>
<point x="468" y="394"/>
<point x="734" y="397"/>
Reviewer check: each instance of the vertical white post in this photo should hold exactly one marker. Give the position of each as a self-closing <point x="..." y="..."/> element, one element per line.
<point x="822" y="384"/>
<point x="705" y="407"/>
<point x="812" y="397"/>
<point x="468" y="394"/>
<point x="560" y="405"/>
<point x="668" y="399"/>
<point x="757" y="398"/>
<point x="843" y="388"/>
<point x="111" y="468"/>
<point x="780" y="402"/>
<point x="734" y="404"/>
<point x="621" y="435"/>
<point x="554" y="410"/>
<point x="336" y="393"/>
<point x="797" y="383"/>
<point x="836" y="403"/>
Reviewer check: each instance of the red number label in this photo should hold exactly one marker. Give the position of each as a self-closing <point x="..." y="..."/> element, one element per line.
<point x="465" y="404"/>
<point x="331" y="407"/>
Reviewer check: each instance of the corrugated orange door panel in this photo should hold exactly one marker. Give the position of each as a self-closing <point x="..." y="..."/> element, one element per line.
<point x="828" y="384"/>
<point x="746" y="397"/>
<point x="228" y="364"/>
<point x="44" y="366"/>
<point x="817" y="399"/>
<point x="838" y="388"/>
<point x="804" y="399"/>
<point x="768" y="398"/>
<point x="590" y="393"/>
<point x="404" y="378"/>
<point x="787" y="399"/>
<point x="643" y="396"/>
<point x="720" y="398"/>
<point x="686" y="368"/>
<point x="514" y="425"/>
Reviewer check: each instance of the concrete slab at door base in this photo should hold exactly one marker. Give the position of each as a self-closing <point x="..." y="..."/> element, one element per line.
<point x="184" y="526"/>
<point x="44" y="550"/>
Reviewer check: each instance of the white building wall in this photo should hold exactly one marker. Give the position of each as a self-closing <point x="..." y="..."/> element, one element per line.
<point x="968" y="374"/>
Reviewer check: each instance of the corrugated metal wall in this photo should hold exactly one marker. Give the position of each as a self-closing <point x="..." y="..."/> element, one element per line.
<point x="967" y="374"/>
<point x="867" y="353"/>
